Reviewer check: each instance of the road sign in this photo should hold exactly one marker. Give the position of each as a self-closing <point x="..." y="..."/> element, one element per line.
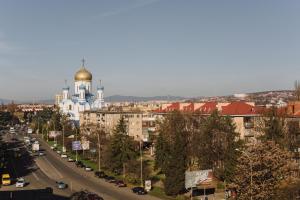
<point x="76" y="145"/>
<point x="194" y="178"/>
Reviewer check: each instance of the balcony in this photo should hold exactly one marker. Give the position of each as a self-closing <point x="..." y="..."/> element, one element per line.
<point x="249" y="125"/>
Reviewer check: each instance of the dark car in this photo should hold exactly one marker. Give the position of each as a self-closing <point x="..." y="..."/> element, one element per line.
<point x="110" y="179"/>
<point x="120" y="183"/>
<point x="92" y="196"/>
<point x="139" y="190"/>
<point x="79" y="164"/>
<point x="100" y="174"/>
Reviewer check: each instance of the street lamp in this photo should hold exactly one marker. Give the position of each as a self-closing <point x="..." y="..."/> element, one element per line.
<point x="48" y="131"/>
<point x="99" y="148"/>
<point x="141" y="155"/>
<point x="63" y="134"/>
<point x="251" y="170"/>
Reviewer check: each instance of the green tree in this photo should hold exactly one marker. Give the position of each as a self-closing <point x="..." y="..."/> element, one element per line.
<point x="176" y="167"/>
<point x="172" y="153"/>
<point x="217" y="141"/>
<point x="121" y="149"/>
<point x="162" y="151"/>
<point x="274" y="126"/>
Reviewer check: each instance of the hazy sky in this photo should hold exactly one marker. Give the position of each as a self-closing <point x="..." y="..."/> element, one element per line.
<point x="149" y="47"/>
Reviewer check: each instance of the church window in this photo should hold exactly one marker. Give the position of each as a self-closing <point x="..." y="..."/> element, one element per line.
<point x="70" y="107"/>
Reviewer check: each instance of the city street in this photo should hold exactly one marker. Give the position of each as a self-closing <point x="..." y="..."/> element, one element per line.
<point x="25" y="167"/>
<point x="78" y="179"/>
<point x="43" y="171"/>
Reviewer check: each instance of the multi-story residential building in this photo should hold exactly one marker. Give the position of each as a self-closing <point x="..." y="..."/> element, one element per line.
<point x="245" y="115"/>
<point x="58" y="99"/>
<point x="139" y="125"/>
<point x="33" y="107"/>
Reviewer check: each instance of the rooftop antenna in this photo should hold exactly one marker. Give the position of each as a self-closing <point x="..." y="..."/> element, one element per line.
<point x="99" y="82"/>
<point x="66" y="82"/>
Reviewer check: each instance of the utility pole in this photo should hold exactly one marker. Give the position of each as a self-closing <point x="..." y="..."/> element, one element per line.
<point x="99" y="152"/>
<point x="141" y="154"/>
<point x="76" y="148"/>
<point x="63" y="136"/>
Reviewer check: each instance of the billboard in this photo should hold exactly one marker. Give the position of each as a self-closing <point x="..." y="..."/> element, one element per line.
<point x="85" y="144"/>
<point x="194" y="178"/>
<point x="76" y="145"/>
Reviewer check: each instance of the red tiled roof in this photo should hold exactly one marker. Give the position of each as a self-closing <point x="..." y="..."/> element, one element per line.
<point x="189" y="108"/>
<point x="238" y="108"/>
<point x="172" y="107"/>
<point x="208" y="108"/>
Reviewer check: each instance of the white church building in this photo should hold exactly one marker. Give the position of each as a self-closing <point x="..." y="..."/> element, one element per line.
<point x="83" y="99"/>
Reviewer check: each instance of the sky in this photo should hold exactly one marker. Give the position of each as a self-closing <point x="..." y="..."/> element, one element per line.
<point x="149" y="47"/>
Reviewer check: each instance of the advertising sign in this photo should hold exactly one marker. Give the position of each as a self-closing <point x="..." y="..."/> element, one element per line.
<point x="194" y="178"/>
<point x="76" y="145"/>
<point x="85" y="145"/>
<point x="148" y="185"/>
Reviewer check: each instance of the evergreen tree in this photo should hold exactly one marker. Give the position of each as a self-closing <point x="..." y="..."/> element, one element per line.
<point x="217" y="142"/>
<point x="121" y="149"/>
<point x="162" y="151"/>
<point x="173" y="146"/>
<point x="274" y="126"/>
<point x="176" y="167"/>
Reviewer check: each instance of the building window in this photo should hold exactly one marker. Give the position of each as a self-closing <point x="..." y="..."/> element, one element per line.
<point x="70" y="107"/>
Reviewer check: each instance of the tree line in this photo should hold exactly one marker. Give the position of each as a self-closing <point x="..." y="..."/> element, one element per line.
<point x="195" y="142"/>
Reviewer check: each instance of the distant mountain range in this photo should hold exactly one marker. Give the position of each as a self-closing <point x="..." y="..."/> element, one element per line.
<point x="120" y="98"/>
<point x="254" y="96"/>
<point x="5" y="101"/>
<point x="114" y="98"/>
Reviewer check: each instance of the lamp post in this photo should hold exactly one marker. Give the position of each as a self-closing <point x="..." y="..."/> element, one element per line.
<point x="63" y="134"/>
<point x="48" y="131"/>
<point x="251" y="170"/>
<point x="141" y="154"/>
<point x="76" y="158"/>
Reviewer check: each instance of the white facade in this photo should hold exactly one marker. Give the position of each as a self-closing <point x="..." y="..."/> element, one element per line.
<point x="82" y="99"/>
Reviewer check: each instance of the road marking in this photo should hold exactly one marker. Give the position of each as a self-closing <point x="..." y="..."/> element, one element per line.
<point x="59" y="174"/>
<point x="35" y="176"/>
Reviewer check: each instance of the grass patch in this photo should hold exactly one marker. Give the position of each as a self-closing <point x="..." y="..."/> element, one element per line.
<point x="159" y="192"/>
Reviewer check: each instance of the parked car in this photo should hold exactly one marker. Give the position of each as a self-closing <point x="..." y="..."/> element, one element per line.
<point x="41" y="153"/>
<point x="120" y="183"/>
<point x="6" y="179"/>
<point x="139" y="190"/>
<point x="110" y="179"/>
<point x="88" y="169"/>
<point x="70" y="159"/>
<point x="52" y="147"/>
<point x="63" y="155"/>
<point x="79" y="164"/>
<point x="61" y="185"/>
<point x="100" y="174"/>
<point x="20" y="182"/>
<point x="58" y="151"/>
<point x="93" y="196"/>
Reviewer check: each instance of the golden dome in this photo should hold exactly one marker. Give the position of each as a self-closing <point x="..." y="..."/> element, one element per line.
<point x="83" y="75"/>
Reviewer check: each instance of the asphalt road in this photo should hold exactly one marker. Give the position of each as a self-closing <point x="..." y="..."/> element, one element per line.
<point x="24" y="166"/>
<point x="78" y="179"/>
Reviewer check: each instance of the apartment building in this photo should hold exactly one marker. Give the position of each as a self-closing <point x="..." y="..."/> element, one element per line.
<point x="139" y="125"/>
<point x="245" y="115"/>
